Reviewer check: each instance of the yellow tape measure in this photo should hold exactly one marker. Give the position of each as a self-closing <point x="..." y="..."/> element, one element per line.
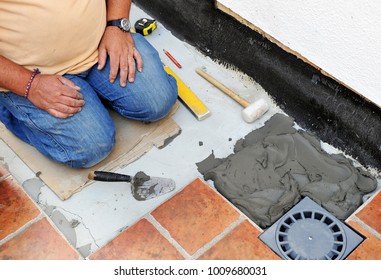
<point x="145" y="26"/>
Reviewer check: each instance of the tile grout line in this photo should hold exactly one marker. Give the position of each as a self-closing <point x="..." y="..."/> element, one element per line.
<point x="22" y="228"/>
<point x="5" y="177"/>
<point x="41" y="216"/>
<point x="60" y="233"/>
<point x="243" y="216"/>
<point x="28" y="223"/>
<point x="168" y="236"/>
<point x="239" y="211"/>
<point x="366" y="227"/>
<point x="366" y="203"/>
<point x="218" y="237"/>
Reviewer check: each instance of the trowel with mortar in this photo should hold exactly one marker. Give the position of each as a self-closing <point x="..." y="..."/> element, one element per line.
<point x="143" y="187"/>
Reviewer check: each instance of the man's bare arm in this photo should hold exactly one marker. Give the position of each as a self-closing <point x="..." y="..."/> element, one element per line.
<point x="119" y="46"/>
<point x="55" y="94"/>
<point x="118" y="9"/>
<point x="12" y="76"/>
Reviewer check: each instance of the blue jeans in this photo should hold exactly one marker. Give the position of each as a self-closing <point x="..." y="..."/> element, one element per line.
<point x="89" y="136"/>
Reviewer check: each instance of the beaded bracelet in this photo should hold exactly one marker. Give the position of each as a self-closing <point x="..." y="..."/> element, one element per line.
<point x="34" y="73"/>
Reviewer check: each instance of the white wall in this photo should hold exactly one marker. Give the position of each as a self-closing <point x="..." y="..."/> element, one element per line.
<point x="342" y="37"/>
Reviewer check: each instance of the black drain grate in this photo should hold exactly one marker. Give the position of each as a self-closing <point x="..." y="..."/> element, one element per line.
<point x="308" y="232"/>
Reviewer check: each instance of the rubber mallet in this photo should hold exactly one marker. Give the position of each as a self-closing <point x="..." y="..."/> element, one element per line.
<point x="251" y="112"/>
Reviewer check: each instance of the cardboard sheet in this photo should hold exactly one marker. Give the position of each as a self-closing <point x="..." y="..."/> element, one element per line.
<point x="133" y="139"/>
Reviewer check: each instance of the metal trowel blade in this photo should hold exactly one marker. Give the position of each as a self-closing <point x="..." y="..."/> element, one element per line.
<point x="152" y="188"/>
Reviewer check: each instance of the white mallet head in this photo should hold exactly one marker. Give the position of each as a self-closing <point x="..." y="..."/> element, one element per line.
<point x="255" y="110"/>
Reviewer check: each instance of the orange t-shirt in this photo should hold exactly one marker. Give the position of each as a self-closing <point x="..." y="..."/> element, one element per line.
<point x="57" y="36"/>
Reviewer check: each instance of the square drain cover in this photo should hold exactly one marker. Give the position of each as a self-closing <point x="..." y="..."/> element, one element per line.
<point x="309" y="232"/>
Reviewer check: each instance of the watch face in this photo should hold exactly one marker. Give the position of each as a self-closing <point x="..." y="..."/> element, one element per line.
<point x="125" y="24"/>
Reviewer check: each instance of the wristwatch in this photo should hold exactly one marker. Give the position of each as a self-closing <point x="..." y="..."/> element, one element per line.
<point x="123" y="23"/>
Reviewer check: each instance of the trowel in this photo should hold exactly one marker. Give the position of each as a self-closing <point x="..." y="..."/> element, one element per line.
<point x="143" y="187"/>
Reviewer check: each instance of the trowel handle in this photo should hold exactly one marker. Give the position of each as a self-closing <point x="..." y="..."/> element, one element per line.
<point x="109" y="176"/>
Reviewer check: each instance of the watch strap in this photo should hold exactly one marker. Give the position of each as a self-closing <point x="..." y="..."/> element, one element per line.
<point x="115" y="22"/>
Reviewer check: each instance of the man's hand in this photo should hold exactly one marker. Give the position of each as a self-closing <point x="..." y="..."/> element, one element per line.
<point x="57" y="95"/>
<point x="124" y="57"/>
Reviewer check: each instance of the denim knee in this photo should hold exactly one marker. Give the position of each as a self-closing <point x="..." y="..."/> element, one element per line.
<point x="160" y="110"/>
<point x="90" y="151"/>
<point x="87" y="146"/>
<point x="160" y="103"/>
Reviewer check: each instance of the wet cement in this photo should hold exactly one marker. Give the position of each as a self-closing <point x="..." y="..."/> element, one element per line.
<point x="274" y="167"/>
<point x="140" y="178"/>
<point x="144" y="187"/>
<point x="137" y="182"/>
<point x="33" y="187"/>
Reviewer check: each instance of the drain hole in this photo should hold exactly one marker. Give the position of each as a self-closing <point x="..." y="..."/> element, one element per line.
<point x="288" y="221"/>
<point x="331" y="256"/>
<point x="294" y="256"/>
<point x="284" y="228"/>
<point x="298" y="216"/>
<point x="335" y="228"/>
<point x="286" y="248"/>
<point x="338" y="248"/>
<point x="318" y="216"/>
<point x="328" y="221"/>
<point x="339" y="237"/>
<point x="307" y="214"/>
<point x="282" y="238"/>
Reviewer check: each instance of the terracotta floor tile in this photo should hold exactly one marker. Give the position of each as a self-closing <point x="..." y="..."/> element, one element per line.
<point x="241" y="243"/>
<point x="40" y="241"/>
<point x="16" y="208"/>
<point x="371" y="213"/>
<point x="369" y="249"/>
<point x="195" y="215"/>
<point x="141" y="241"/>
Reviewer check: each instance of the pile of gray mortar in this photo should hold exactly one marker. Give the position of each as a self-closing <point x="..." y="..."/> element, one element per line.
<point x="274" y="167"/>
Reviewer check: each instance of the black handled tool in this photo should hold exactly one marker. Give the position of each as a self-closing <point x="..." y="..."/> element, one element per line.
<point x="143" y="187"/>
